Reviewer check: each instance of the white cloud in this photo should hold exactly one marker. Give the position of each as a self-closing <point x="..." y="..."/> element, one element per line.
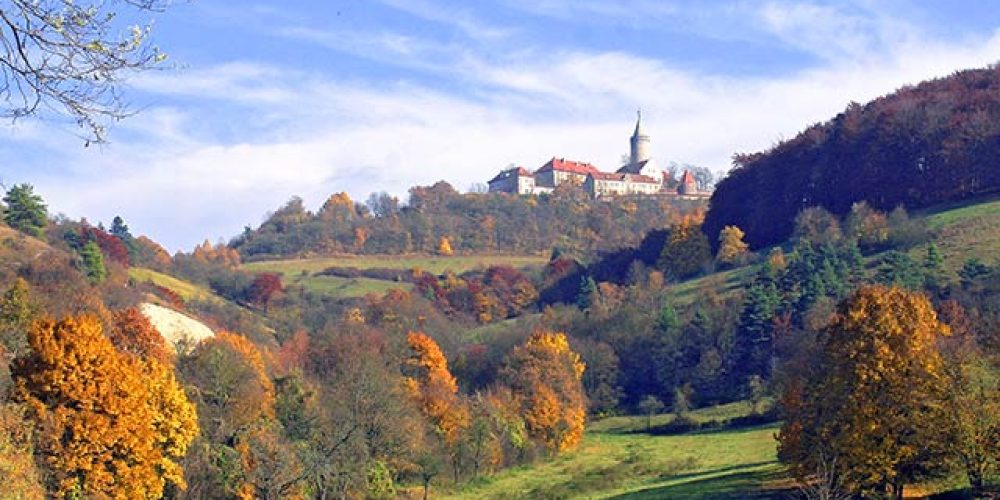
<point x="313" y="135"/>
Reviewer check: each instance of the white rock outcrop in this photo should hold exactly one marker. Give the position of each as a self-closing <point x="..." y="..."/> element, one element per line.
<point x="177" y="329"/>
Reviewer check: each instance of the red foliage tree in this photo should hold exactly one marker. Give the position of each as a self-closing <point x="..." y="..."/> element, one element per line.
<point x="111" y="246"/>
<point x="265" y="287"/>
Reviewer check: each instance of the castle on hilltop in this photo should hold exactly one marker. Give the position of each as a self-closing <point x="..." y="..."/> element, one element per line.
<point x="640" y="176"/>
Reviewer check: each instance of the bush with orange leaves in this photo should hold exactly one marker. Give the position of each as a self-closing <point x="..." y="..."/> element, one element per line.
<point x="109" y="424"/>
<point x="132" y="333"/>
<point x="545" y="375"/>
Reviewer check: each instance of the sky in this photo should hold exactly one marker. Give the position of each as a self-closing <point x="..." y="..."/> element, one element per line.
<point x="265" y="100"/>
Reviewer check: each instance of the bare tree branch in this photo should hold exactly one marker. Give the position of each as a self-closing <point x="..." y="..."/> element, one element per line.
<point x="71" y="57"/>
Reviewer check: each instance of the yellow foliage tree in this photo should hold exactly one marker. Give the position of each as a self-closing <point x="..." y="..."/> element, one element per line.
<point x="545" y="376"/>
<point x="434" y="387"/>
<point x="444" y="247"/>
<point x="109" y="424"/>
<point x="873" y="408"/>
<point x="731" y="245"/>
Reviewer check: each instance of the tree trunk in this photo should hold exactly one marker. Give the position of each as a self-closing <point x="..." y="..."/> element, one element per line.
<point x="897" y="490"/>
<point x="427" y="487"/>
<point x="975" y="479"/>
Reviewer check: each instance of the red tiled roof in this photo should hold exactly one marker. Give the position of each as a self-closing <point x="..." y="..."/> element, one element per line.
<point x="688" y="178"/>
<point x="617" y="176"/>
<point x="564" y="165"/>
<point x="605" y="176"/>
<point x="643" y="178"/>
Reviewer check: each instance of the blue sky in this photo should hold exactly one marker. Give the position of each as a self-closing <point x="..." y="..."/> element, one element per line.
<point x="266" y="100"/>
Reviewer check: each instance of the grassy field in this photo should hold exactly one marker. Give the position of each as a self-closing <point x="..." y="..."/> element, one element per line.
<point x="615" y="462"/>
<point x="431" y="264"/>
<point x="186" y="290"/>
<point x="965" y="231"/>
<point x="301" y="271"/>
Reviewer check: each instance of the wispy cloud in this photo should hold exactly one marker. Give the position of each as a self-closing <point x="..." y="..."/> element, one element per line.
<point x="222" y="144"/>
<point x="457" y="17"/>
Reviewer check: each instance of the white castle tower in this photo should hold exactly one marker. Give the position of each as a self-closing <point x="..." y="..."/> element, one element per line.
<point x="640" y="144"/>
<point x="640" y="160"/>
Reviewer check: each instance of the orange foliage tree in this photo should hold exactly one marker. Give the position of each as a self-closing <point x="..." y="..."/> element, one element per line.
<point x="444" y="247"/>
<point x="545" y="375"/>
<point x="873" y="408"/>
<point x="109" y="424"/>
<point x="434" y="387"/>
<point x="132" y="333"/>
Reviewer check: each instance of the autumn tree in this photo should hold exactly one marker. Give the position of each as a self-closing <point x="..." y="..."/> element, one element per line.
<point x="874" y="406"/>
<point x="545" y="376"/>
<point x="817" y="226"/>
<point x="444" y="247"/>
<point x="375" y="420"/>
<point x="264" y="289"/>
<point x="436" y="390"/>
<point x="132" y="333"/>
<point x="686" y="253"/>
<point x="109" y="424"/>
<point x="25" y="210"/>
<point x="233" y="389"/>
<point x="732" y="248"/>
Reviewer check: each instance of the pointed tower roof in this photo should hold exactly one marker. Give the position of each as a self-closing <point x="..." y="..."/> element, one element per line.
<point x="639" y="132"/>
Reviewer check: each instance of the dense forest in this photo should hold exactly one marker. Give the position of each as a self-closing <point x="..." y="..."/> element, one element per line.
<point x="471" y="223"/>
<point x="922" y="145"/>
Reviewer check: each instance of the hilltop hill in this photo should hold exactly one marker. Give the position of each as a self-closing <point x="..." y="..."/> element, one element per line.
<point x="471" y="223"/>
<point x="923" y="145"/>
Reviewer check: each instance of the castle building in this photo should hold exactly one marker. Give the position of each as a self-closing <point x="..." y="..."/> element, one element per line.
<point x="514" y="180"/>
<point x="604" y="184"/>
<point x="560" y="171"/>
<point x="687" y="189"/>
<point x="640" y="176"/>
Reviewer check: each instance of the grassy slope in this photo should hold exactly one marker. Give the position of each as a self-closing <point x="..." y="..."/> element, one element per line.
<point x="613" y="462"/>
<point x="185" y="289"/>
<point x="301" y="271"/>
<point x="965" y="231"/>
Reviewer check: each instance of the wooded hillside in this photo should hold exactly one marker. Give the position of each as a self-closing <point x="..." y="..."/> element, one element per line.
<point x="922" y="145"/>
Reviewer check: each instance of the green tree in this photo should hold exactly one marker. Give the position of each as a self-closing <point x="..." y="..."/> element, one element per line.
<point x="753" y="342"/>
<point x="16" y="314"/>
<point x="25" y="210"/>
<point x="120" y="229"/>
<point x="93" y="262"/>
<point x="587" y="294"/>
<point x="898" y="268"/>
<point x="973" y="408"/>
<point x="686" y="253"/>
<point x="933" y="267"/>
<point x="649" y="406"/>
